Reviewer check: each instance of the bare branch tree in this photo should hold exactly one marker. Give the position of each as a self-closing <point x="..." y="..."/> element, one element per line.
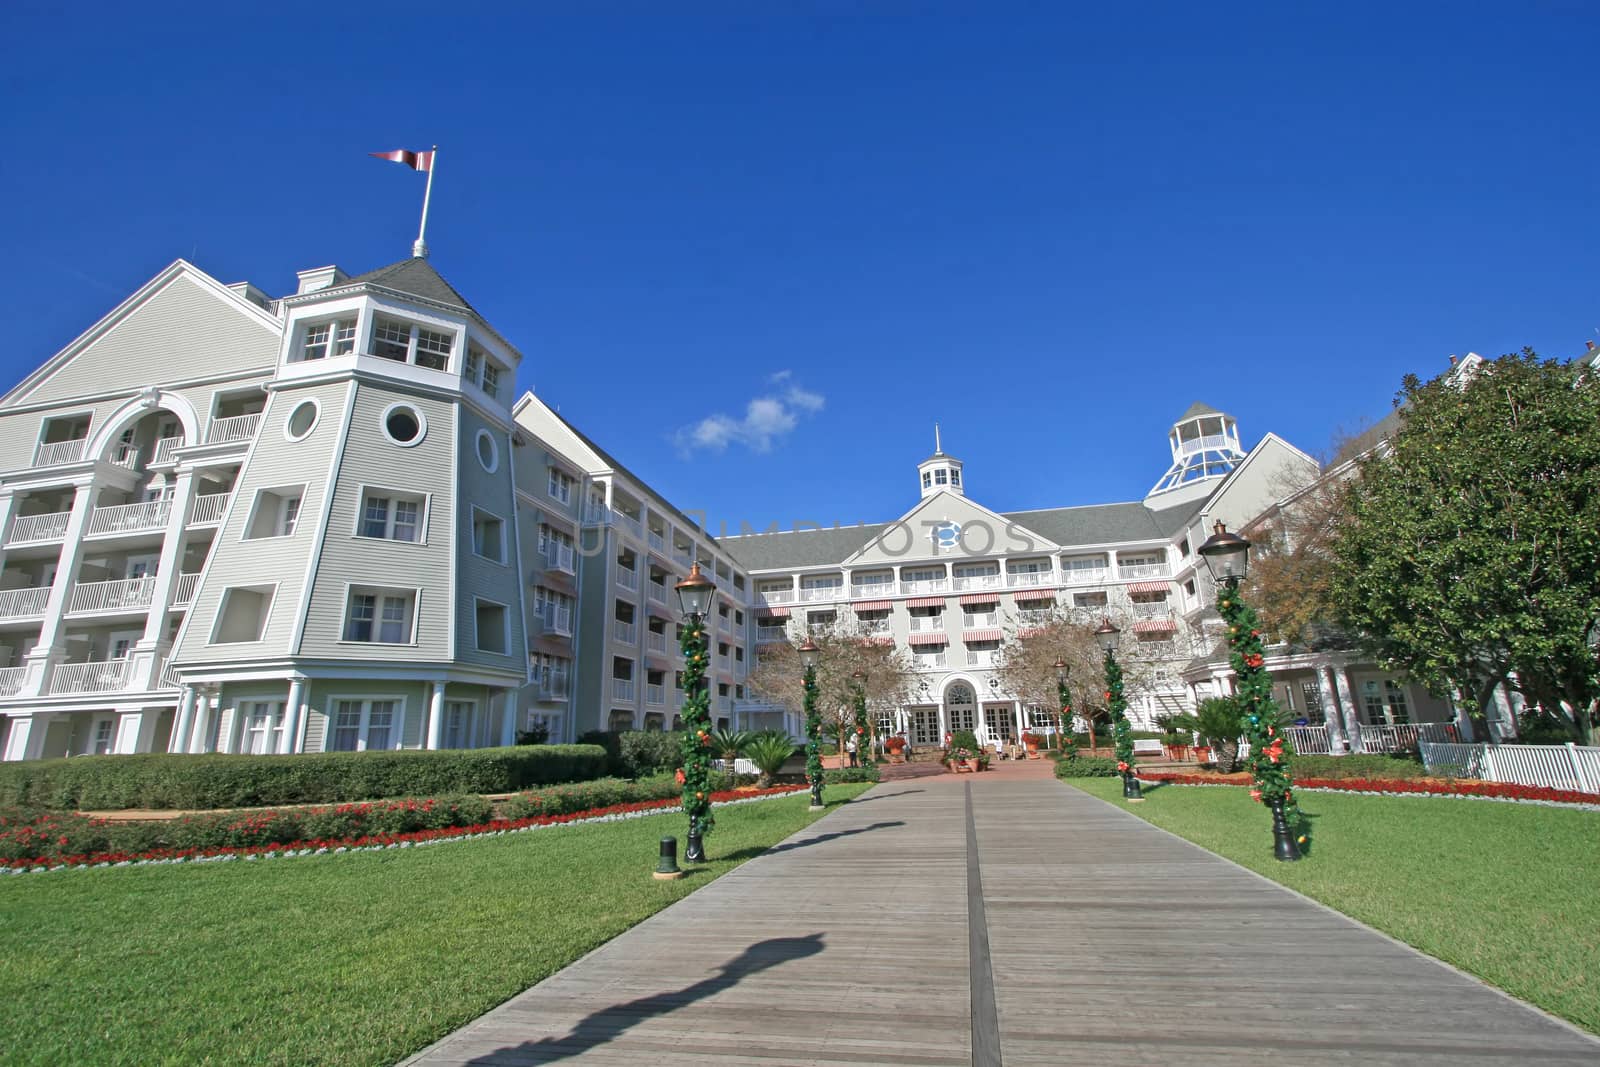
<point x="846" y="651"/>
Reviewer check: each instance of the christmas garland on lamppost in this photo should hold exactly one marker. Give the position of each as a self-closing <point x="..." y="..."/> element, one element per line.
<point x="695" y="774"/>
<point x="1228" y="556"/>
<point x="1069" y="746"/>
<point x="809" y="655"/>
<point x="862" y="737"/>
<point x="1117" y="704"/>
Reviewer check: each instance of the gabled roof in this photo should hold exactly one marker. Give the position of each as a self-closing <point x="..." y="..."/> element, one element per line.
<point x="800" y="548"/>
<point x="415" y="277"/>
<point x="1197" y="409"/>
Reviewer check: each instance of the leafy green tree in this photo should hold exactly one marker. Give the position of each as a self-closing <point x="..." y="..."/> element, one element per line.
<point x="1469" y="554"/>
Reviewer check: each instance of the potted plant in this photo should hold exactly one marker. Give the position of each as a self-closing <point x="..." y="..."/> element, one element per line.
<point x="1032" y="742"/>
<point x="1177" y="733"/>
<point x="896" y="747"/>
<point x="1220" y="723"/>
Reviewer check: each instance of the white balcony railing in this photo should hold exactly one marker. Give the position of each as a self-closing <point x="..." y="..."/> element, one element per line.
<point x="125" y="456"/>
<point x="983" y="658"/>
<point x="871" y="590"/>
<point x="969" y="582"/>
<point x="658" y="541"/>
<point x="237" y="428"/>
<point x="658" y="593"/>
<point x="925" y="585"/>
<point x="21" y="603"/>
<point x="1085" y="576"/>
<point x="558" y="557"/>
<point x="622" y="690"/>
<point x="631" y="524"/>
<point x="100" y="677"/>
<point x="813" y="593"/>
<point x="980" y="620"/>
<point x="777" y="596"/>
<point x="655" y="694"/>
<point x="875" y="626"/>
<point x="183" y="590"/>
<point x="770" y="634"/>
<point x="923" y="624"/>
<point x="1204" y="443"/>
<point x="656" y="641"/>
<point x="168" y="677"/>
<point x="1143" y="570"/>
<point x="1399" y="738"/>
<point x="130" y="518"/>
<point x="11" y="679"/>
<point x="626" y="632"/>
<point x="553" y="685"/>
<point x="122" y="594"/>
<point x="1030" y="579"/>
<point x="597" y="514"/>
<point x="28" y="528"/>
<point x="930" y="660"/>
<point x="682" y="556"/>
<point x="1150" y="610"/>
<point x="628" y="578"/>
<point x="208" y="509"/>
<point x="164" y="448"/>
<point x="59" y="452"/>
<point x="557" y="619"/>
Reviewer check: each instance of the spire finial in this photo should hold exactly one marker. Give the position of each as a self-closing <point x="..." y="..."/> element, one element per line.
<point x="938" y="449"/>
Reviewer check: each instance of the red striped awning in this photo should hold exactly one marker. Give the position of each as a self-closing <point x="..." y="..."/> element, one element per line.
<point x="974" y="636"/>
<point x="935" y="637"/>
<point x="1149" y="587"/>
<point x="872" y="605"/>
<point x="1036" y="594"/>
<point x="1154" y="626"/>
<point x="980" y="598"/>
<point x="773" y="613"/>
<point x="925" y="602"/>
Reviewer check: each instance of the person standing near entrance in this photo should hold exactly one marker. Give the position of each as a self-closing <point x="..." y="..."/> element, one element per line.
<point x="850" y="747"/>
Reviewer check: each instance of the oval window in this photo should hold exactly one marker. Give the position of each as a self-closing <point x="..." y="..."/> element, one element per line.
<point x="301" y="421"/>
<point x="404" y="424"/>
<point x="488" y="451"/>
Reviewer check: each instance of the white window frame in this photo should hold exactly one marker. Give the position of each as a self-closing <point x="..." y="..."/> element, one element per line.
<point x="383" y="317"/>
<point x="379" y="593"/>
<point x="505" y="627"/>
<point x="316" y="417"/>
<point x="566" y="482"/>
<point x="422" y="424"/>
<point x="363" y="729"/>
<point x="282" y="525"/>
<point x="333" y="341"/>
<point x="473" y="512"/>
<point x="246" y="711"/>
<point x="424" y="501"/>
<point x="466" y="714"/>
<point x="268" y="589"/>
<point x="492" y="464"/>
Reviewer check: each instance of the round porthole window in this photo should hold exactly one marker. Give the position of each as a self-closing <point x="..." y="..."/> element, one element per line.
<point x="302" y="420"/>
<point x="404" y="425"/>
<point x="488" y="451"/>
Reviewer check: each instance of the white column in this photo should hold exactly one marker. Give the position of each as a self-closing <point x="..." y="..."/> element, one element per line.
<point x="1022" y="726"/>
<point x="45" y="653"/>
<point x="8" y="502"/>
<point x="26" y="737"/>
<point x="203" y="711"/>
<point x="1352" y="714"/>
<point x="436" y="715"/>
<point x="1331" y="713"/>
<point x="292" y="710"/>
<point x="184" y="723"/>
<point x="508" y="717"/>
<point x="166" y="577"/>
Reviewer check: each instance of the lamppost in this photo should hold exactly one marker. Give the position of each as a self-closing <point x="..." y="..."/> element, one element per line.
<point x="810" y="656"/>
<point x="1227" y="557"/>
<point x="1063" y="700"/>
<point x="863" y="736"/>
<point x="1106" y="636"/>
<point x="694" y="596"/>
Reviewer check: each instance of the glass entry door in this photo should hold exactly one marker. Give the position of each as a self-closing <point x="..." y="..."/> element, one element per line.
<point x="925" y="726"/>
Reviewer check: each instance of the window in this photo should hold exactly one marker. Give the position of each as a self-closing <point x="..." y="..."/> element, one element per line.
<point x="391" y="516"/>
<point x="380" y="616"/>
<point x="301" y="421"/>
<point x="324" y="339"/>
<point x="927" y="479"/>
<point x="433" y="349"/>
<point x="1391" y="699"/>
<point x="940" y="477"/>
<point x="491" y="379"/>
<point x="955" y="477"/>
<point x="488" y="536"/>
<point x="391" y="340"/>
<point x="553" y="609"/>
<point x="1313" y="701"/>
<point x="365" y="725"/>
<point x="474" y="362"/>
<point x="262" y="728"/>
<point x="102" y="737"/>
<point x="488" y="451"/>
<point x="491" y="627"/>
<point x="560" y="486"/>
<point x="556" y="547"/>
<point x="275" y="513"/>
<point x="242" y="615"/>
<point x="482" y="371"/>
<point x="406" y="342"/>
<point x="404" y="425"/>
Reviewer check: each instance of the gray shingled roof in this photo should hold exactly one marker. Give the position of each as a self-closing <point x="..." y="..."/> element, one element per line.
<point x="417" y="277"/>
<point x="1198" y="408"/>
<point x="1088" y="525"/>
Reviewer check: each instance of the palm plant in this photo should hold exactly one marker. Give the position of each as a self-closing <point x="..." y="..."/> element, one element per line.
<point x="1220" y="722"/>
<point x="769" y="751"/>
<point x="730" y="745"/>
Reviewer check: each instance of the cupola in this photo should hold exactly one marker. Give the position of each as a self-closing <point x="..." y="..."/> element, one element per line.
<point x="940" y="473"/>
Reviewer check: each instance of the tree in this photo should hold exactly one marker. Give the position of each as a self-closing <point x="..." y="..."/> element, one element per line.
<point x="846" y="649"/>
<point x="1469" y="554"/>
<point x="1290" y="583"/>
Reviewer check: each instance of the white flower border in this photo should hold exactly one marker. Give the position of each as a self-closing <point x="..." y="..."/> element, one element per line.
<point x="295" y="853"/>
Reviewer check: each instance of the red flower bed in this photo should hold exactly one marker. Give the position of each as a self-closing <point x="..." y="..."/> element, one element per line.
<point x="1508" y="790"/>
<point x="375" y="840"/>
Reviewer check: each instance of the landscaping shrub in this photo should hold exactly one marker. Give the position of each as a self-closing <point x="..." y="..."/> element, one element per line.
<point x="1087" y="767"/>
<point x="1402" y="765"/>
<point x="769" y="751"/>
<point x="611" y="742"/>
<point x="642" y="753"/>
<point x="161" y="780"/>
<point x="51" y="835"/>
<point x="963" y="739"/>
<point x="603" y="793"/>
<point x="846" y="775"/>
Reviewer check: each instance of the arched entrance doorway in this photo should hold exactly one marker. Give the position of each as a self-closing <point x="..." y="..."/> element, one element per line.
<point x="960" y="707"/>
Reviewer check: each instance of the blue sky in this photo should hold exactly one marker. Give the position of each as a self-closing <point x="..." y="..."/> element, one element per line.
<point x="756" y="250"/>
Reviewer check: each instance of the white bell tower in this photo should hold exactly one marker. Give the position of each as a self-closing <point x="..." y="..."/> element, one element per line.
<point x="1205" y="447"/>
<point x="940" y="473"/>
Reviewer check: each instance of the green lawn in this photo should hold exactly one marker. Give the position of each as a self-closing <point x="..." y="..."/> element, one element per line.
<point x="355" y="959"/>
<point x="1505" y="891"/>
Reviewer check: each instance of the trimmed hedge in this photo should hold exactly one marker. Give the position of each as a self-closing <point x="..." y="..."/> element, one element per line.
<point x="647" y="752"/>
<point x="867" y="772"/>
<point x="199" y="783"/>
<point x="1087" y="767"/>
<point x="1357" y="765"/>
<point x="602" y="793"/>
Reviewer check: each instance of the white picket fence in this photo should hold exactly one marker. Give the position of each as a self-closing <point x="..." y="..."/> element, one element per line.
<point x="1552" y="766"/>
<point x="1315" y="740"/>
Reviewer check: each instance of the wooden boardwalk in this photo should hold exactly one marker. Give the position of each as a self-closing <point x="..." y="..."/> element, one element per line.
<point x="921" y="925"/>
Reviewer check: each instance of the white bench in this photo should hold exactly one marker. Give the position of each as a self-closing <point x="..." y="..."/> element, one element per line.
<point x="1148" y="746"/>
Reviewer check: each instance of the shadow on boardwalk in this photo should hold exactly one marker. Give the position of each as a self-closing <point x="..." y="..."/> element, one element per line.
<point x="790" y="846"/>
<point x="606" y="1024"/>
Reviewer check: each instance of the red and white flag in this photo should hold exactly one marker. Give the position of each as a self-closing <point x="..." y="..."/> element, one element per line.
<point x="414" y="160"/>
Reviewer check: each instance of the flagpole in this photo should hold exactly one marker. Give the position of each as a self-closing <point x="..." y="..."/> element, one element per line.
<point x="420" y="248"/>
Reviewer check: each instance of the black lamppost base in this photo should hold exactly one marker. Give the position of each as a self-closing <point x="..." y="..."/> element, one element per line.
<point x="816" y="796"/>
<point x="1283" y="844"/>
<point x="667" y="869"/>
<point x="1130" y="786"/>
<point x="696" y="852"/>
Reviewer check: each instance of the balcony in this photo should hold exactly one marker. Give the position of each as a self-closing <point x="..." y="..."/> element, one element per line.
<point x="1085" y="576"/>
<point x="655" y="641"/>
<point x="927" y="624"/>
<point x="981" y="620"/>
<point x="237" y="428"/>
<point x="34" y="529"/>
<point x="557" y="619"/>
<point x="658" y="541"/>
<point x="925" y="585"/>
<point x="553" y="685"/>
<point x="1161" y="610"/>
<point x="655" y="694"/>
<point x="11" y="679"/>
<point x="1207" y="443"/>
<point x="130" y="518"/>
<point x="122" y="594"/>
<point x="776" y="596"/>
<point x="59" y="452"/>
<point x="813" y="593"/>
<point x="559" y="557"/>
<point x="23" y="603"/>
<point x="1030" y="579"/>
<point x="183" y="590"/>
<point x="658" y="593"/>
<point x="631" y="524"/>
<point x="628" y="578"/>
<point x="1143" y="570"/>
<point x="975" y="582"/>
<point x="623" y="690"/>
<point x="683" y="557"/>
<point x="982" y="658"/>
<point x="595" y="514"/>
<point x="109" y="676"/>
<point x="875" y="626"/>
<point x="625" y="632"/>
<point x="871" y="590"/>
<point x="767" y="635"/>
<point x="168" y="678"/>
<point x="164" y="450"/>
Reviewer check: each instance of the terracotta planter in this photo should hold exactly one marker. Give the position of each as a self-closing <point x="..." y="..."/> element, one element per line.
<point x="1033" y="751"/>
<point x="897" y="756"/>
<point x="1202" y="754"/>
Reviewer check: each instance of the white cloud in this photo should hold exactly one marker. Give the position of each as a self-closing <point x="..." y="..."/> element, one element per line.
<point x="766" y="419"/>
